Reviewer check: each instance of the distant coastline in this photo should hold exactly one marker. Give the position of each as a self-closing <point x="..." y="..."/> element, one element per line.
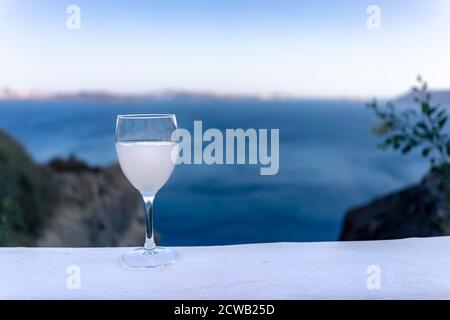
<point x="8" y="94"/>
<point x="12" y="94"/>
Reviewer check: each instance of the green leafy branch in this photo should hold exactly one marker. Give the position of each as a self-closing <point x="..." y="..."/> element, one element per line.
<point x="416" y="128"/>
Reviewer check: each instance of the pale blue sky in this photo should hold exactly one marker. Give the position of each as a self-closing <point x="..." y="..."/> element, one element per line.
<point x="302" y="48"/>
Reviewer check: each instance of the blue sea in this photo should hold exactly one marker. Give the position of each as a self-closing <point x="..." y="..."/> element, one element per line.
<point x="329" y="163"/>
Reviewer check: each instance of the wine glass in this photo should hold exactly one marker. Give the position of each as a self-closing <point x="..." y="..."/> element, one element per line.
<point x="147" y="148"/>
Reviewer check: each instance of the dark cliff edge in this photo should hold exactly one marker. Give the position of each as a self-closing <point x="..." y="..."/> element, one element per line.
<point x="94" y="207"/>
<point x="27" y="194"/>
<point x="65" y="202"/>
<point x="421" y="210"/>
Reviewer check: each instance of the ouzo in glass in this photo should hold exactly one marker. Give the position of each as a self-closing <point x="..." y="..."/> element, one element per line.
<point x="147" y="148"/>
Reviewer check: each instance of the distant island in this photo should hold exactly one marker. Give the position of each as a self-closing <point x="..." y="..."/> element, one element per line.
<point x="13" y="95"/>
<point x="8" y="94"/>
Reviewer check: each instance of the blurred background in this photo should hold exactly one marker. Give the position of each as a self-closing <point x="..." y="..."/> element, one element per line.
<point x="305" y="67"/>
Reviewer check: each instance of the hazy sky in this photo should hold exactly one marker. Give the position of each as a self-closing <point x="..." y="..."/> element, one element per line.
<point x="303" y="48"/>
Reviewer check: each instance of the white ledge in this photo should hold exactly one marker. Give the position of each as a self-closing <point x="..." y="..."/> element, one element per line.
<point x="410" y="269"/>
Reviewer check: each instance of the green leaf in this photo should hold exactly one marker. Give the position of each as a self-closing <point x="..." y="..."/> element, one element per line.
<point x="407" y="148"/>
<point x="422" y="125"/>
<point x="442" y="122"/>
<point x="426" y="108"/>
<point x="441" y="113"/>
<point x="426" y="151"/>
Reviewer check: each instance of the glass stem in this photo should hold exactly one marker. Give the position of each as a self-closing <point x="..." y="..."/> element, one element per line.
<point x="149" y="235"/>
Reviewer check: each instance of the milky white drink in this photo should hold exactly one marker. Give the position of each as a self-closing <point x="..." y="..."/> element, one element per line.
<point x="147" y="164"/>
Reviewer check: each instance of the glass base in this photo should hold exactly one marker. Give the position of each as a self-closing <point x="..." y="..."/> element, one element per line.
<point x="142" y="258"/>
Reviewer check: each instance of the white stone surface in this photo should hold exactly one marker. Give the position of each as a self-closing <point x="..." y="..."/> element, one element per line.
<point x="410" y="269"/>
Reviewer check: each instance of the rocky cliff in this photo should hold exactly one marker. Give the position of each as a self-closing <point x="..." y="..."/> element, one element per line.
<point x="94" y="207"/>
<point x="65" y="202"/>
<point x="421" y="210"/>
<point x="27" y="194"/>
